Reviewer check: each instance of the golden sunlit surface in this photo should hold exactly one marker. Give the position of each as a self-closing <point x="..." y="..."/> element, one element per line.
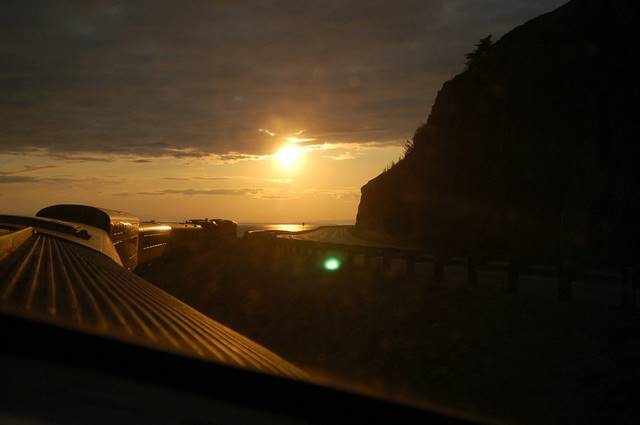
<point x="324" y="185"/>
<point x="288" y="227"/>
<point x="289" y="157"/>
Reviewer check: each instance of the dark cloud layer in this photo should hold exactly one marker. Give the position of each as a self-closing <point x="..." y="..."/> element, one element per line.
<point x="186" y="79"/>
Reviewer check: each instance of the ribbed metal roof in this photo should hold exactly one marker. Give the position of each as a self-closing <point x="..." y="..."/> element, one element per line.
<point x="66" y="284"/>
<point x="101" y="218"/>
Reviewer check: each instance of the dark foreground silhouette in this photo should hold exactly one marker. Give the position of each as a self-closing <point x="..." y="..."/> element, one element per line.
<point x="531" y="151"/>
<point x="492" y="354"/>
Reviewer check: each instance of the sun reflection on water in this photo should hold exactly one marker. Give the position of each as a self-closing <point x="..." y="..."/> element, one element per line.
<point x="289" y="227"/>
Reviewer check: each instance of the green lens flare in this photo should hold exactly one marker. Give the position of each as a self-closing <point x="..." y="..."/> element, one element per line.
<point x="331" y="264"/>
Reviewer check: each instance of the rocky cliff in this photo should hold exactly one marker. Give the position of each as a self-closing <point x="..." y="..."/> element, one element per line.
<point x="533" y="150"/>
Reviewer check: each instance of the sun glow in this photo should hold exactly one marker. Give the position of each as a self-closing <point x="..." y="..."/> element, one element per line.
<point x="289" y="157"/>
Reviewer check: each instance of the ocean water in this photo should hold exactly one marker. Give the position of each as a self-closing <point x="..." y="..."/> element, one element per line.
<point x="289" y="227"/>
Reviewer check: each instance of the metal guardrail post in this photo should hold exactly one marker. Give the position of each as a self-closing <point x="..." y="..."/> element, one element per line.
<point x="472" y="271"/>
<point x="411" y="265"/>
<point x="628" y="288"/>
<point x="348" y="259"/>
<point x="513" y="277"/>
<point x="566" y="276"/>
<point x="386" y="262"/>
<point x="366" y="260"/>
<point x="438" y="270"/>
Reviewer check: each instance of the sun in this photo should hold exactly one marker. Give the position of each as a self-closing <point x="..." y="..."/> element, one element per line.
<point x="289" y="157"/>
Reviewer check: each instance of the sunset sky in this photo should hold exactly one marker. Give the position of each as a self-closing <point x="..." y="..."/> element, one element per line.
<point x="173" y="110"/>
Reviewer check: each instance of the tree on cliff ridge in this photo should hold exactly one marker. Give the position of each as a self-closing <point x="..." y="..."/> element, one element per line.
<point x="481" y="52"/>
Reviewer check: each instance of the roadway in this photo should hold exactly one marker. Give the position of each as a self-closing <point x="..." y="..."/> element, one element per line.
<point x="340" y="235"/>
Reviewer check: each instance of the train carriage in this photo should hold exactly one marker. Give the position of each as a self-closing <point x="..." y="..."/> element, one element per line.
<point x="122" y="227"/>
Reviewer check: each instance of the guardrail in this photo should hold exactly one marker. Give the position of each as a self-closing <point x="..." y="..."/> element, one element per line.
<point x="564" y="282"/>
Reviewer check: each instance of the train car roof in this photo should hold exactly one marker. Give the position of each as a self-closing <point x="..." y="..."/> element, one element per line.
<point x="101" y="218"/>
<point x="82" y="234"/>
<point x="52" y="280"/>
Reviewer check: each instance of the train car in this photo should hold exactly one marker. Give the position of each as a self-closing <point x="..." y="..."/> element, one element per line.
<point x="217" y="229"/>
<point x="153" y="240"/>
<point x="227" y="229"/>
<point x="14" y="230"/>
<point x="122" y="227"/>
<point x="186" y="239"/>
<point x="88" y="341"/>
<point x="69" y="274"/>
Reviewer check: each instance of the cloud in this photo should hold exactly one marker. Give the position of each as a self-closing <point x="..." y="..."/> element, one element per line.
<point x="247" y="178"/>
<point x="341" y="157"/>
<point x="191" y="192"/>
<point x="95" y="81"/>
<point x="27" y="169"/>
<point x="74" y="157"/>
<point x="265" y="131"/>
<point x="188" y="152"/>
<point x="343" y="194"/>
<point x="177" y="178"/>
<point x="194" y="178"/>
<point x="359" y="146"/>
<point x="264" y="193"/>
<point x="138" y="154"/>
<point x="17" y="179"/>
<point x="269" y="180"/>
<point x="210" y="178"/>
<point x="300" y="140"/>
<point x="32" y="179"/>
<point x="235" y="157"/>
<point x="91" y="183"/>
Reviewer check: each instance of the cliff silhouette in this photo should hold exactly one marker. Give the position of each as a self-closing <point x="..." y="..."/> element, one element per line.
<point x="531" y="151"/>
